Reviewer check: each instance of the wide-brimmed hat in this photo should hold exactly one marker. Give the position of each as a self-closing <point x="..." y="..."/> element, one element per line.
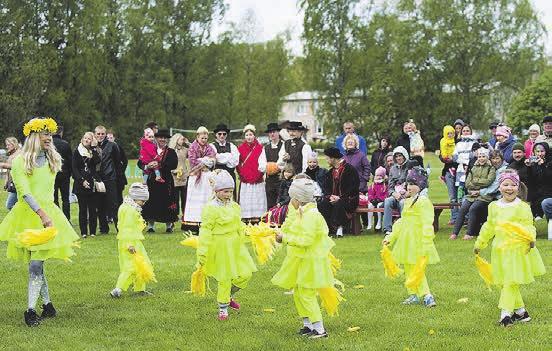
<point x="547" y="119"/>
<point x="294" y="125"/>
<point x="163" y="133"/>
<point x="272" y="127"/>
<point x="221" y="128"/>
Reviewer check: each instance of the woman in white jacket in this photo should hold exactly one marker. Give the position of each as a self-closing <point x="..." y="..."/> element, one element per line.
<point x="462" y="154"/>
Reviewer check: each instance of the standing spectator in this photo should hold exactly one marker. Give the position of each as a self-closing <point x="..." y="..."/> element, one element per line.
<point x="63" y="178"/>
<point x="358" y="160"/>
<point x="492" y="127"/>
<point x="448" y="174"/>
<point x="202" y="159"/>
<point x="153" y="126"/>
<point x="505" y="142"/>
<point x="251" y="169"/>
<point x="286" y="179"/>
<point x="540" y="175"/>
<point x="110" y="162"/>
<point x="161" y="205"/>
<point x="534" y="133"/>
<point x="458" y="125"/>
<point x="121" y="172"/>
<point x="378" y="157"/>
<point x="417" y="146"/>
<point x="349" y="129"/>
<point x="547" y="131"/>
<point x="397" y="191"/>
<point x="85" y="160"/>
<point x="228" y="156"/>
<point x="404" y="138"/>
<point x="13" y="148"/>
<point x="316" y="173"/>
<point x="295" y="151"/>
<point x="462" y="155"/>
<point x="341" y="192"/>
<point x="180" y="145"/>
<point x="272" y="149"/>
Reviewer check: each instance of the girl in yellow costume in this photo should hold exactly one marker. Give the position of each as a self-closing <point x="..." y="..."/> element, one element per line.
<point x="306" y="267"/>
<point x="130" y="239"/>
<point x="34" y="172"/>
<point x="221" y="250"/>
<point x="514" y="261"/>
<point x="412" y="237"/>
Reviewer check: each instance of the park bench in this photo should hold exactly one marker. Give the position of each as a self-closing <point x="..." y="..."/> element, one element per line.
<point x="437" y="210"/>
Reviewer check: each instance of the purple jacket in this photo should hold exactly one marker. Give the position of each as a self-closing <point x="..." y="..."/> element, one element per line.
<point x="360" y="163"/>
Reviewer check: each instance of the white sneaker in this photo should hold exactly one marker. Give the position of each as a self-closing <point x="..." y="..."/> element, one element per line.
<point x="550" y="229"/>
<point x="116" y="293"/>
<point x="378" y="226"/>
<point x="339" y="232"/>
<point x="538" y="218"/>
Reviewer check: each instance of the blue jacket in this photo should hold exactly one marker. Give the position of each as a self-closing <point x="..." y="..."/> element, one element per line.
<point x="507" y="148"/>
<point x="361" y="142"/>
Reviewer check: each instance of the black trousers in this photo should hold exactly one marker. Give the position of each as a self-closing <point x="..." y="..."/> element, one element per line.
<point x="272" y="188"/>
<point x="88" y="207"/>
<point x="180" y="198"/>
<point x="120" y="189"/>
<point x="334" y="214"/>
<point x="107" y="207"/>
<point x="477" y="215"/>
<point x="62" y="185"/>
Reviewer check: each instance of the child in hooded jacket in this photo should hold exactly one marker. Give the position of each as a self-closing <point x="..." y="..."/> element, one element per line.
<point x="377" y="193"/>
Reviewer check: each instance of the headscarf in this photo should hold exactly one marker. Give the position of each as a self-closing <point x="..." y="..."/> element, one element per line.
<point x="138" y="191"/>
<point x="222" y="180"/>
<point x="302" y="190"/>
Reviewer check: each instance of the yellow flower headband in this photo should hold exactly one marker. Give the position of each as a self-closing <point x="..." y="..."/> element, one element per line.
<point x="38" y="125"/>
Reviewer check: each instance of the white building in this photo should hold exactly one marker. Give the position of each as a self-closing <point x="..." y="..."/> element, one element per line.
<point x="303" y="106"/>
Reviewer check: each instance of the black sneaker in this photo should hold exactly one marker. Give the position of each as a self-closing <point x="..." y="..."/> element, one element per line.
<point x="31" y="318"/>
<point x="48" y="311"/>
<point x="317" y="335"/>
<point x="305" y="331"/>
<point x="506" y="321"/>
<point x="524" y="318"/>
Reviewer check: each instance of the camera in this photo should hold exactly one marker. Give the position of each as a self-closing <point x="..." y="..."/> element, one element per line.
<point x="533" y="159"/>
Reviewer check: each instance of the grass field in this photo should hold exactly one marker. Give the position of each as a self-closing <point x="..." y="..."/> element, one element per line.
<point x="173" y="320"/>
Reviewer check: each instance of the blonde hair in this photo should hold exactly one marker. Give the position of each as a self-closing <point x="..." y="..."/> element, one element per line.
<point x="13" y="141"/>
<point x="202" y="130"/>
<point x="89" y="134"/>
<point x="249" y="128"/>
<point x="350" y="136"/>
<point x="173" y="143"/>
<point x="287" y="168"/>
<point x="30" y="150"/>
<point x="100" y="127"/>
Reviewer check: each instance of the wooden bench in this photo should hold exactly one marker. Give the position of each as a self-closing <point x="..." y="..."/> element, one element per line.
<point x="356" y="227"/>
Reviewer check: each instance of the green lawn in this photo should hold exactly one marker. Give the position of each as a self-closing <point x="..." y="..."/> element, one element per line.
<point x="173" y="320"/>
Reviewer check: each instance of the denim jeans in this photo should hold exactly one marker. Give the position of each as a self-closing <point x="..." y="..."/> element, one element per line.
<point x="547" y="207"/>
<point x="389" y="205"/>
<point x="11" y="200"/>
<point x="452" y="193"/>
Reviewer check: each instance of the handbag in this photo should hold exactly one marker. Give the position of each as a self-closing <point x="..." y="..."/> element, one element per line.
<point x="99" y="186"/>
<point x="10" y="187"/>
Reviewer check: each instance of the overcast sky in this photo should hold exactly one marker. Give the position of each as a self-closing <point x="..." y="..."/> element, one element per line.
<point x="274" y="17"/>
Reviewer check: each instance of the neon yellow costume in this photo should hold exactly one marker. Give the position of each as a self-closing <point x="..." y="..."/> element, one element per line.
<point x="412" y="238"/>
<point x="40" y="184"/>
<point x="511" y="264"/>
<point x="306" y="267"/>
<point x="130" y="226"/>
<point x="222" y="249"/>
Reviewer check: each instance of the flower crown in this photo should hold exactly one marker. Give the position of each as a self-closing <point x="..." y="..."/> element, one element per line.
<point x="38" y="125"/>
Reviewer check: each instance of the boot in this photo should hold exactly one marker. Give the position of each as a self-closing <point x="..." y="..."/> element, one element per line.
<point x="31" y="318"/>
<point x="378" y="225"/>
<point x="48" y="311"/>
<point x="370" y="218"/>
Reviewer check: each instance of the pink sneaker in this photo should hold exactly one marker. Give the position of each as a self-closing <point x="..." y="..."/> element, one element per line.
<point x="453" y="237"/>
<point x="222" y="316"/>
<point x="234" y="305"/>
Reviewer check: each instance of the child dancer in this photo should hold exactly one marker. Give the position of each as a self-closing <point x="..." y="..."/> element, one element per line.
<point x="513" y="262"/>
<point x="287" y="177"/>
<point x="306" y="268"/>
<point x="130" y="239"/>
<point x="148" y="153"/>
<point x="377" y="193"/>
<point x="412" y="237"/>
<point x="36" y="229"/>
<point x="221" y="250"/>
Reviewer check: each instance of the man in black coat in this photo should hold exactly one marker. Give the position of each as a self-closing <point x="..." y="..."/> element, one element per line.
<point x="63" y="177"/>
<point x="340" y="192"/>
<point x="123" y="163"/>
<point x="108" y="173"/>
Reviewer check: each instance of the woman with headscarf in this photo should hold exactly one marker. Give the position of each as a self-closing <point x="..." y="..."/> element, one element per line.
<point x="251" y="170"/>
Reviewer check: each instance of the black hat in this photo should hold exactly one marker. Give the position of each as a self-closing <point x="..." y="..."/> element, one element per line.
<point x="221" y="128"/>
<point x="547" y="119"/>
<point x="333" y="152"/>
<point x="272" y="127"/>
<point x="294" y="125"/>
<point x="163" y="133"/>
<point x="493" y="125"/>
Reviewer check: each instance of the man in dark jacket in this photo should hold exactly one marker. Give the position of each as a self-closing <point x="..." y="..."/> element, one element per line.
<point x="272" y="149"/>
<point x="108" y="173"/>
<point x="341" y="192"/>
<point x="123" y="163"/>
<point x="63" y="177"/>
<point x="518" y="163"/>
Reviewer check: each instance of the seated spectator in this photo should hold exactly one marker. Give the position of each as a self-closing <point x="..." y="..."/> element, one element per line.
<point x="505" y="142"/>
<point x="341" y="192"/>
<point x="518" y="164"/>
<point x="534" y="133"/>
<point x="316" y="173"/>
<point x="396" y="189"/>
<point x="378" y="157"/>
<point x="540" y="175"/>
<point x="377" y="193"/>
<point x="389" y="162"/>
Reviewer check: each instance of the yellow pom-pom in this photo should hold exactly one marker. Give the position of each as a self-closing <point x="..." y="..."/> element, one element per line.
<point x="33" y="237"/>
<point x="418" y="272"/>
<point x="330" y="298"/>
<point x="269" y="310"/>
<point x="191" y="241"/>
<point x="359" y="286"/>
<point x="144" y="268"/>
<point x="485" y="270"/>
<point x="263" y="240"/>
<point x="199" y="278"/>
<point x="353" y="329"/>
<point x="335" y="263"/>
<point x="390" y="267"/>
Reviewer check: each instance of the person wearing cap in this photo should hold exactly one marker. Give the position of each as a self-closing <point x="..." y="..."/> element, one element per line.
<point x="130" y="239"/>
<point x="412" y="236"/>
<point x="518" y="164"/>
<point x="221" y="250"/>
<point x="396" y="191"/>
<point x="458" y="125"/>
<point x="492" y="127"/>
<point x="272" y="149"/>
<point x="109" y="152"/>
<point x="340" y="190"/>
<point x="161" y="206"/>
<point x="534" y="134"/>
<point x="227" y="153"/>
<point x="306" y="268"/>
<point x="349" y="129"/>
<point x="295" y="150"/>
<point x="547" y="131"/>
<point x="202" y="158"/>
<point x="505" y="142"/>
<point x="251" y="169"/>
<point x="512" y="264"/>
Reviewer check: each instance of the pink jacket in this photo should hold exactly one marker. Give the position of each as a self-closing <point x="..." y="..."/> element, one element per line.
<point x="148" y="151"/>
<point x="377" y="191"/>
<point x="529" y="143"/>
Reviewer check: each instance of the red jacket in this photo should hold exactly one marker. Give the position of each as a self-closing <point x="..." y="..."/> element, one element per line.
<point x="248" y="168"/>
